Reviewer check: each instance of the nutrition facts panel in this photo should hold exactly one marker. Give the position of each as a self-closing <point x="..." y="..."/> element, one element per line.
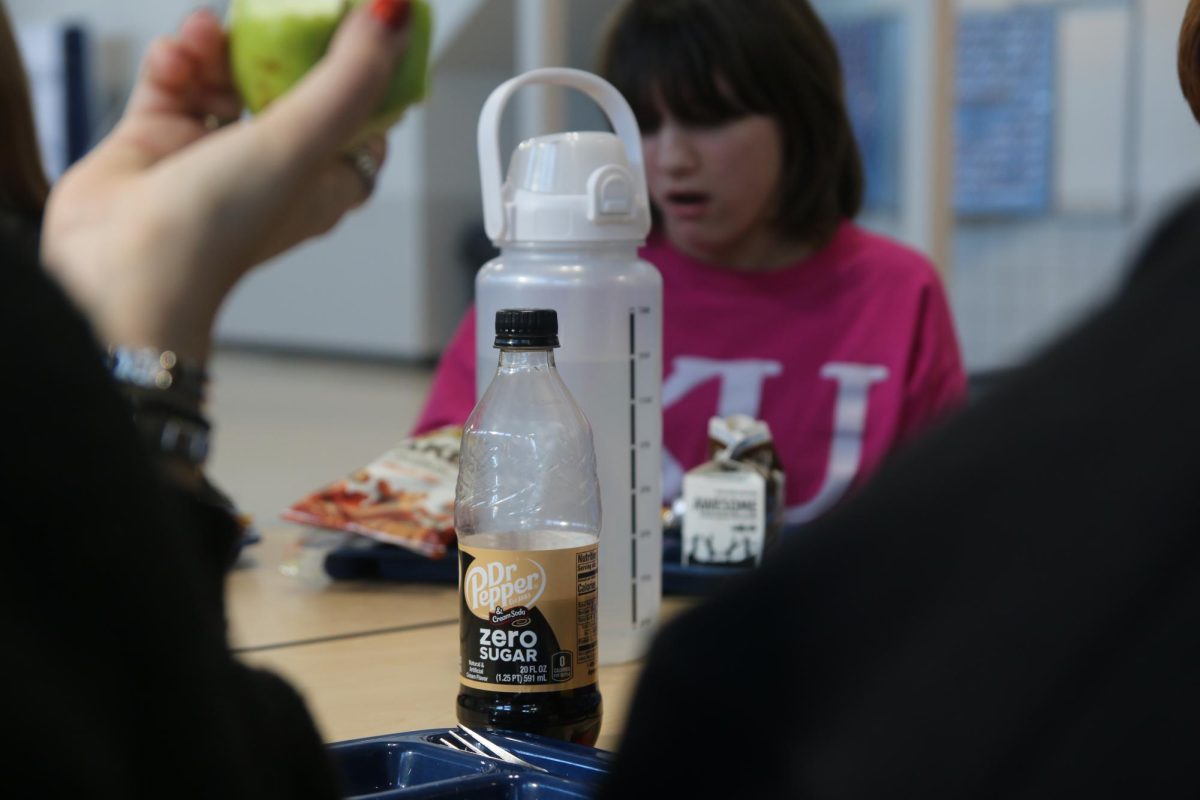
<point x="585" y="607"/>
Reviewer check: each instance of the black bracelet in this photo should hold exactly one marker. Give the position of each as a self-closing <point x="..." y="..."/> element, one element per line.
<point x="174" y="436"/>
<point x="162" y="402"/>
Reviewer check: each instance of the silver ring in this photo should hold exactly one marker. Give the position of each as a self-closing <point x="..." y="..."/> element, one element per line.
<point x="365" y="164"/>
<point x="212" y="122"/>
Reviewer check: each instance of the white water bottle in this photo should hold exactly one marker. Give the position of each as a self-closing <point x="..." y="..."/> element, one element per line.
<point x="568" y="220"/>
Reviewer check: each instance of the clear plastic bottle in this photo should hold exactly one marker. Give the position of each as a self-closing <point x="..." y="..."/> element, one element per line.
<point x="527" y="513"/>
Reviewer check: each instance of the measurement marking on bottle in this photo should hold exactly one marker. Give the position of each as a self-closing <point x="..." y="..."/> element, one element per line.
<point x="634" y="582"/>
<point x="633" y="472"/>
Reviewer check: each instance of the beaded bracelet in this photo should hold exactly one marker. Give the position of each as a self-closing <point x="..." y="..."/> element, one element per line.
<point x="158" y="369"/>
<point x="166" y="395"/>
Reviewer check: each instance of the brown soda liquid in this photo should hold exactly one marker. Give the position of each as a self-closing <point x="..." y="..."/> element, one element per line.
<point x="572" y="715"/>
<point x="525" y="599"/>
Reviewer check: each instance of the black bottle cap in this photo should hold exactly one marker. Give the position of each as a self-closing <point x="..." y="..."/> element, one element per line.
<point x="526" y="327"/>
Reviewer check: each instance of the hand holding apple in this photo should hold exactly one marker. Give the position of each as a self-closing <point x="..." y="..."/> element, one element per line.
<point x="152" y="229"/>
<point x="273" y="43"/>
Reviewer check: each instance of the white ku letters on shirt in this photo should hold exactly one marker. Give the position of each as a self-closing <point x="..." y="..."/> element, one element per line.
<point x="741" y="383"/>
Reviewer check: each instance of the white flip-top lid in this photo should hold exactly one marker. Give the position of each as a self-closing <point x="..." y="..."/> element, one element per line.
<point x="587" y="186"/>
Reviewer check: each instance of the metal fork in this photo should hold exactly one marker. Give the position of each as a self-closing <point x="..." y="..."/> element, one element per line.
<point x="481" y="746"/>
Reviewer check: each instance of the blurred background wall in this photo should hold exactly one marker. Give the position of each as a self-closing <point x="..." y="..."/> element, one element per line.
<point x="1025" y="144"/>
<point x="1122" y="146"/>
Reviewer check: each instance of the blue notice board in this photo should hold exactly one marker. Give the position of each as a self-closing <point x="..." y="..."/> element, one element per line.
<point x="1004" y="112"/>
<point x="868" y="47"/>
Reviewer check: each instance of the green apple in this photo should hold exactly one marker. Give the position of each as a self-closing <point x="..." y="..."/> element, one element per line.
<point x="272" y="43"/>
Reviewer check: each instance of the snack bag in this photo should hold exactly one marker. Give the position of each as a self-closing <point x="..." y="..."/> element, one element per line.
<point x="404" y="497"/>
<point x="735" y="501"/>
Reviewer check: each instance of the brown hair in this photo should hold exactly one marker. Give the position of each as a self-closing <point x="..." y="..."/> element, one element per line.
<point x="23" y="185"/>
<point x="1189" y="57"/>
<point x="711" y="61"/>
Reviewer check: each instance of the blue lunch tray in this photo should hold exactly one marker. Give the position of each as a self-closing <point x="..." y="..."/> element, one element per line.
<point x="372" y="560"/>
<point x="410" y="766"/>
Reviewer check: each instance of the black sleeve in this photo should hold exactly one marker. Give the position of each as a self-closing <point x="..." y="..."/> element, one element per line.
<point x="121" y="682"/>
<point x="1011" y="608"/>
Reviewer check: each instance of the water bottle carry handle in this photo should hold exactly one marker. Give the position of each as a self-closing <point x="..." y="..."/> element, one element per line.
<point x="601" y="91"/>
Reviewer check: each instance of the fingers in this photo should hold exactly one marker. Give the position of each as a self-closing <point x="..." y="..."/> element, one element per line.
<point x="203" y="39"/>
<point x="166" y="75"/>
<point x="325" y="110"/>
<point x="207" y="45"/>
<point x="184" y="82"/>
<point x="188" y="74"/>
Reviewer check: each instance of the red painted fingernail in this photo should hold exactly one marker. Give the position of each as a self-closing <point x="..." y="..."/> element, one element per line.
<point x="392" y="13"/>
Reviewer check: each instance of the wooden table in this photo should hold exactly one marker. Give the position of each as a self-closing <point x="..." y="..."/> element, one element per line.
<point x="370" y="657"/>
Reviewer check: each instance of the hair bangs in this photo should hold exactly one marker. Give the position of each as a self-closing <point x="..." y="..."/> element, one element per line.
<point x="667" y="63"/>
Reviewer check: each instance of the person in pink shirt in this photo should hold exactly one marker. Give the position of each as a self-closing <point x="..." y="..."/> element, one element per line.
<point x="775" y="303"/>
